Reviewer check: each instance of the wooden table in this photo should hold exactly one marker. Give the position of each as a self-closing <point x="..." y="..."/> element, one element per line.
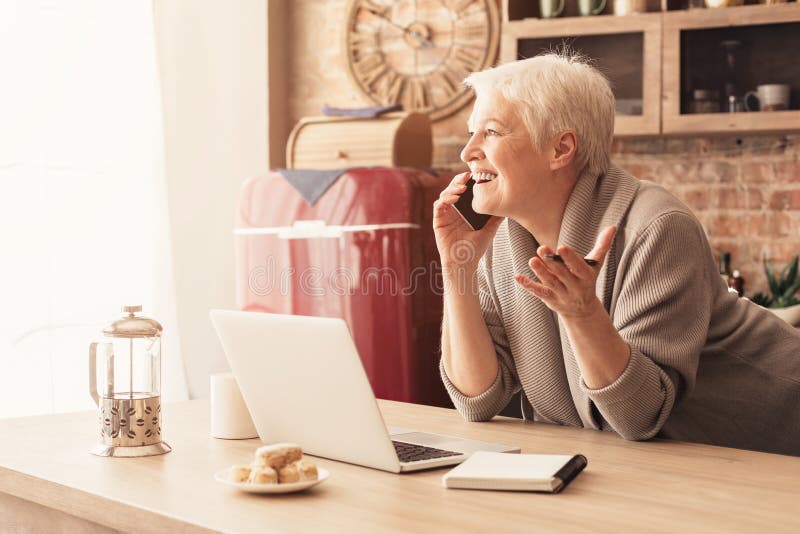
<point x="48" y="478"/>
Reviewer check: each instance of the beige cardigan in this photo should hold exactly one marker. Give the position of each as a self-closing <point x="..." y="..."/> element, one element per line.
<point x="705" y="365"/>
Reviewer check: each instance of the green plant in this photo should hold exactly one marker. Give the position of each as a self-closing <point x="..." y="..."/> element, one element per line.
<point x="783" y="287"/>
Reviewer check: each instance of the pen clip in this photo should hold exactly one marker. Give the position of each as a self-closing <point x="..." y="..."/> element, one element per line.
<point x="558" y="258"/>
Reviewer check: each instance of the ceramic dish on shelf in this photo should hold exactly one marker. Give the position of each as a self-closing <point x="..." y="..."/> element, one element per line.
<point x="223" y="476"/>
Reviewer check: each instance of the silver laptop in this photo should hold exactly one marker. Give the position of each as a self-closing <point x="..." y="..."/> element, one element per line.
<point x="303" y="382"/>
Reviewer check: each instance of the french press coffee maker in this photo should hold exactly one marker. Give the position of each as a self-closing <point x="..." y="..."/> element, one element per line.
<point x="126" y="366"/>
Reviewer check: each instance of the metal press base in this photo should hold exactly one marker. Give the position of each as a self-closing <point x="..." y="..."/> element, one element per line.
<point x="102" y="449"/>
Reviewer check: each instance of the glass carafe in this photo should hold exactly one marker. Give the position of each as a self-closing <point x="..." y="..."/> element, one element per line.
<point x="125" y="383"/>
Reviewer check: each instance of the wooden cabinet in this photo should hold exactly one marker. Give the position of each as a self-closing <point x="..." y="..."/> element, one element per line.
<point x="768" y="38"/>
<point x="656" y="60"/>
<point x="626" y="49"/>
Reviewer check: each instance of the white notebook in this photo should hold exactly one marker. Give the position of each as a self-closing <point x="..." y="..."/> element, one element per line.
<point x="515" y="472"/>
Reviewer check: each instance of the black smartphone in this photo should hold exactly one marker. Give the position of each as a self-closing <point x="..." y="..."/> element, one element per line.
<point x="464" y="207"/>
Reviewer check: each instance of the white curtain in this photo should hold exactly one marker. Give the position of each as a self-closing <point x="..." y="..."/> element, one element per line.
<point x="83" y="212"/>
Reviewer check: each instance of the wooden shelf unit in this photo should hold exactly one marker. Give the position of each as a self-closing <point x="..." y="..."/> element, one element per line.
<point x="674" y="23"/>
<point x="661" y="61"/>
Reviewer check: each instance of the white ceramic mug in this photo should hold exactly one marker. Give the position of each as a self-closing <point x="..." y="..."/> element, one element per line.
<point x="230" y="418"/>
<point x="770" y="97"/>
<point x="723" y="3"/>
<point x="626" y="7"/>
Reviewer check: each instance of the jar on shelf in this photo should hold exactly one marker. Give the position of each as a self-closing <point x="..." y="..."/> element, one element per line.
<point x="704" y="101"/>
<point x="734" y="104"/>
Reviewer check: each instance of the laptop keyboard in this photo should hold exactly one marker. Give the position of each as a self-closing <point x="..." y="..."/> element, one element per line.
<point x="409" y="452"/>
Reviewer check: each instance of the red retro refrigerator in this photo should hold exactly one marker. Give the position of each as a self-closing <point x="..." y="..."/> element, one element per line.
<point x="364" y="252"/>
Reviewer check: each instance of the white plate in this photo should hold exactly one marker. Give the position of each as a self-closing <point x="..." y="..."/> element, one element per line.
<point x="222" y="476"/>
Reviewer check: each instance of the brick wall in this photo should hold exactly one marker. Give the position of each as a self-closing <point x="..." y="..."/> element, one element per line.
<point x="745" y="191"/>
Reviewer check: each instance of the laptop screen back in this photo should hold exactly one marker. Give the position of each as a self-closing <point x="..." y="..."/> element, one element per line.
<point x="303" y="382"/>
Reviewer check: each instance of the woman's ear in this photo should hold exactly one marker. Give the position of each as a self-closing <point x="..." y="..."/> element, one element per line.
<point x="564" y="146"/>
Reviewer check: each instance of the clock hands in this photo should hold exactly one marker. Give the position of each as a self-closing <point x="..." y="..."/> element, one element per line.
<point x="423" y="41"/>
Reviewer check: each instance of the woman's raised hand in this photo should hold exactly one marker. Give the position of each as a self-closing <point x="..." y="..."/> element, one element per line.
<point x="568" y="287"/>
<point x="459" y="245"/>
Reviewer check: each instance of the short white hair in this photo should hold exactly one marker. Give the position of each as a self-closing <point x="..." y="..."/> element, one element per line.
<point x="556" y="91"/>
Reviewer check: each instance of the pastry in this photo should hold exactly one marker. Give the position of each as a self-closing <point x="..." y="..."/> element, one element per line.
<point x="288" y="474"/>
<point x="239" y="473"/>
<point x="277" y="455"/>
<point x="307" y="470"/>
<point x="297" y="471"/>
<point x="263" y="475"/>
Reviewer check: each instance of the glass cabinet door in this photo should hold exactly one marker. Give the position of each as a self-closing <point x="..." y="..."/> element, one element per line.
<point x="626" y="49"/>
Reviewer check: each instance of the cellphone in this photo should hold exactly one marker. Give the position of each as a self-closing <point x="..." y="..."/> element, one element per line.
<point x="464" y="207"/>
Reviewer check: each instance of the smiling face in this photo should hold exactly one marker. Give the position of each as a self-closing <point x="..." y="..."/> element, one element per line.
<point x="513" y="177"/>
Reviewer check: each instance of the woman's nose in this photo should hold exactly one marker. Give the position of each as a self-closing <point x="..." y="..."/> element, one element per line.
<point x="471" y="150"/>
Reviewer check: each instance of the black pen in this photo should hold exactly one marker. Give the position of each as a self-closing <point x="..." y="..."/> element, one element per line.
<point x="556" y="257"/>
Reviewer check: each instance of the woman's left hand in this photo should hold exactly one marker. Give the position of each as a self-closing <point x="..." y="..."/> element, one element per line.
<point x="568" y="288"/>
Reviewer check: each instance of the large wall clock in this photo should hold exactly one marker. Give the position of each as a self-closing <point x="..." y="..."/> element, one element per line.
<point x="417" y="52"/>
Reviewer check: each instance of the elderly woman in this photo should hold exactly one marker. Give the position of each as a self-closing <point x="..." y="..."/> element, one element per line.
<point x="644" y="341"/>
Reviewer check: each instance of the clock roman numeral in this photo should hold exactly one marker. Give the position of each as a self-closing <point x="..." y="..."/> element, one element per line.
<point x="446" y="79"/>
<point x="466" y="59"/>
<point x="370" y="67"/>
<point x="374" y="74"/>
<point x="374" y="7"/>
<point x="362" y="40"/>
<point x="389" y="86"/>
<point x="417" y="94"/>
<point x="471" y="32"/>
